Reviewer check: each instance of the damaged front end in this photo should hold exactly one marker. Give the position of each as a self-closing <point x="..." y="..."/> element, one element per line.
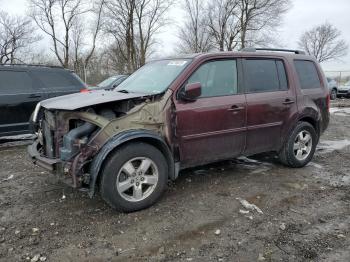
<point x="69" y="140"/>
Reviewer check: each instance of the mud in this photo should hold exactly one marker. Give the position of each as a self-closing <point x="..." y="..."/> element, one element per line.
<point x="306" y="212"/>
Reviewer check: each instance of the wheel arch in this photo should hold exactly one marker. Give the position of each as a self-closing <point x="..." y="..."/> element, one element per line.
<point x="311" y="117"/>
<point x="312" y="121"/>
<point x="124" y="138"/>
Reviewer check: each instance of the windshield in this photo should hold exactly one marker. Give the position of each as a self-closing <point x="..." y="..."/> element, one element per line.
<point x="154" y="77"/>
<point x="347" y="83"/>
<point x="107" y="82"/>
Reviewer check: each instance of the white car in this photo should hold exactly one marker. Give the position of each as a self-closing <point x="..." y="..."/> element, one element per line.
<point x="344" y="90"/>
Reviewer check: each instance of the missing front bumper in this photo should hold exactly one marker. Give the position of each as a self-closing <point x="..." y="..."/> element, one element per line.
<point x="44" y="162"/>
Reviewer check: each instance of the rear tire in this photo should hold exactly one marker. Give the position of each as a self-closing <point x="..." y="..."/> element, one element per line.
<point x="300" y="146"/>
<point x="134" y="177"/>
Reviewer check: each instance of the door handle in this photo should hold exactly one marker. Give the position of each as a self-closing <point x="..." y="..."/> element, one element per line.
<point x="235" y="108"/>
<point x="34" y="96"/>
<point x="288" y="101"/>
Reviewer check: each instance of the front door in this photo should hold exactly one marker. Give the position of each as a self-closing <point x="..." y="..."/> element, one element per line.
<point x="271" y="103"/>
<point x="212" y="127"/>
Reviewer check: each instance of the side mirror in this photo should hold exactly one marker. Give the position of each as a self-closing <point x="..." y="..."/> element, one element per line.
<point x="191" y="92"/>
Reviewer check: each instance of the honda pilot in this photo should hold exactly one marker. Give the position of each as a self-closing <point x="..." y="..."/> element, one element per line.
<point x="178" y="113"/>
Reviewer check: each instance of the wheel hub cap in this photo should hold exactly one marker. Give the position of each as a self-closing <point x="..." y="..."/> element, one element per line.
<point x="137" y="179"/>
<point x="302" y="145"/>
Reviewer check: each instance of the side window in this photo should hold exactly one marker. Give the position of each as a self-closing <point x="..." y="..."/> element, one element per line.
<point x="52" y="79"/>
<point x="262" y="75"/>
<point x="14" y="82"/>
<point x="218" y="78"/>
<point x="307" y="74"/>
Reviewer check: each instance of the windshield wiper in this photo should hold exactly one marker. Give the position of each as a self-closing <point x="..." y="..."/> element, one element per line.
<point x="123" y="91"/>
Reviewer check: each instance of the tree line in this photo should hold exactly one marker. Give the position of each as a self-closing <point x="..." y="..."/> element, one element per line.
<point x="96" y="38"/>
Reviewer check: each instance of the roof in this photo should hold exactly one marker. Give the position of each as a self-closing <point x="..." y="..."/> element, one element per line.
<point x="30" y="66"/>
<point x="248" y="52"/>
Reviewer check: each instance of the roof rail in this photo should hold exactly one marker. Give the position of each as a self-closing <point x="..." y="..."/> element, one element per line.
<point x="33" y="65"/>
<point x="250" y="49"/>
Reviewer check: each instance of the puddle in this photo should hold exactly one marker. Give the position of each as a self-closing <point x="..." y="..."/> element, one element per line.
<point x="328" y="146"/>
<point x="340" y="111"/>
<point x="313" y="164"/>
<point x="335" y="179"/>
<point x="296" y="186"/>
<point x="260" y="170"/>
<point x="247" y="160"/>
<point x="255" y="166"/>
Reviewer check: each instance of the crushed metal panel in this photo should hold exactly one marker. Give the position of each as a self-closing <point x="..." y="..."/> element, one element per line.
<point x="81" y="100"/>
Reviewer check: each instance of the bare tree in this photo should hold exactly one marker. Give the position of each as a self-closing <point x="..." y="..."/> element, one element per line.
<point x="133" y="25"/>
<point x="235" y="23"/>
<point x="81" y="56"/>
<point x="193" y="34"/>
<point x="16" y="35"/>
<point x="324" y="43"/>
<point x="120" y="24"/>
<point x="222" y="23"/>
<point x="64" y="22"/>
<point x="257" y="16"/>
<point x="150" y="18"/>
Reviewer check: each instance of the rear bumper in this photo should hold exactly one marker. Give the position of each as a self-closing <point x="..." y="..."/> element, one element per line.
<point x="44" y="162"/>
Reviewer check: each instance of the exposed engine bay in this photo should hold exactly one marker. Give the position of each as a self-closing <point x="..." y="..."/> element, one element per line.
<point x="75" y="137"/>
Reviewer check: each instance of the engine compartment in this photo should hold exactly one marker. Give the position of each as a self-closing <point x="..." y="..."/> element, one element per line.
<point x="75" y="137"/>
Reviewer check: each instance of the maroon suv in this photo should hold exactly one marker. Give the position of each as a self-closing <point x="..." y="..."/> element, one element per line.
<point x="177" y="113"/>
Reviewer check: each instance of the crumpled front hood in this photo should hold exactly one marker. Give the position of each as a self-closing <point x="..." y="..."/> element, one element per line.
<point x="80" y="100"/>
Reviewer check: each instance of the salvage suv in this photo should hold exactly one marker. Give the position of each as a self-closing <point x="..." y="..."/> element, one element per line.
<point x="178" y="113"/>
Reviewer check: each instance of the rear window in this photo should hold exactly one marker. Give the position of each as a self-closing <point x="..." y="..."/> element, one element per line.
<point x="264" y="75"/>
<point x="14" y="82"/>
<point x="58" y="79"/>
<point x="307" y="74"/>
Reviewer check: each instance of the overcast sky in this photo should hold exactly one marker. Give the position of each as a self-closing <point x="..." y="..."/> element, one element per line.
<point x="303" y="15"/>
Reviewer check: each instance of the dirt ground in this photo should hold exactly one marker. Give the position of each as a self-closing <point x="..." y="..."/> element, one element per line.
<point x="306" y="212"/>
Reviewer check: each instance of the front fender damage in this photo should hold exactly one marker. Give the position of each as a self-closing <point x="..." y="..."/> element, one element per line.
<point x="150" y="116"/>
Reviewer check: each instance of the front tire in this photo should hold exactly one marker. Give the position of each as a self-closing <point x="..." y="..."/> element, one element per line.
<point x="300" y="146"/>
<point x="134" y="177"/>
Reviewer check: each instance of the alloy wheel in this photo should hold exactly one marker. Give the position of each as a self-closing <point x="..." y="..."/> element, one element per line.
<point x="302" y="145"/>
<point x="137" y="179"/>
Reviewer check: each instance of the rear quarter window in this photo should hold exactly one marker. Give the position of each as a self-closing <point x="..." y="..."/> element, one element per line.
<point x="58" y="79"/>
<point x="307" y="74"/>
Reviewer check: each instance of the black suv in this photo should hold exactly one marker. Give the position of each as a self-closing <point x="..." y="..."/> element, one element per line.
<point x="23" y="86"/>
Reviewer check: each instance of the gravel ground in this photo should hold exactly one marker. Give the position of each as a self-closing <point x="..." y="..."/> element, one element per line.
<point x="306" y="212"/>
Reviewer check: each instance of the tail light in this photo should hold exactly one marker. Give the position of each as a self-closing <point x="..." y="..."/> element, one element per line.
<point x="84" y="90"/>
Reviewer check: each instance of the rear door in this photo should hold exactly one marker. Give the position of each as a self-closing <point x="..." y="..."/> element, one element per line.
<point x="212" y="127"/>
<point x="18" y="98"/>
<point x="58" y="82"/>
<point x="271" y="103"/>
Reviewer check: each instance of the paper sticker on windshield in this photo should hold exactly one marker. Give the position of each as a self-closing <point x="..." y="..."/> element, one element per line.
<point x="177" y="63"/>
